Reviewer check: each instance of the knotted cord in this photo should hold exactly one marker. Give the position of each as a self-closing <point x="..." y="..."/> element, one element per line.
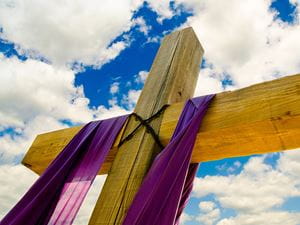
<point x="148" y="127"/>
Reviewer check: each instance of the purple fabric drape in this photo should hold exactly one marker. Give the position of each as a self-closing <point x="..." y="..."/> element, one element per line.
<point x="167" y="186"/>
<point x="56" y="196"/>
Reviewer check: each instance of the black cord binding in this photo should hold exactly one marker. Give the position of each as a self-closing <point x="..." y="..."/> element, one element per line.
<point x="146" y="124"/>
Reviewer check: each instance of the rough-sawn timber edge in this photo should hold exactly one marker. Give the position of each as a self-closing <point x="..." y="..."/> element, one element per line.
<point x="258" y="119"/>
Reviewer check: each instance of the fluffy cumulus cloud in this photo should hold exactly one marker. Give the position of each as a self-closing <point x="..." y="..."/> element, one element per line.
<point x="35" y="97"/>
<point x="131" y="98"/>
<point x="22" y="179"/>
<point x="31" y="105"/>
<point x="38" y="94"/>
<point x="33" y="91"/>
<point x="256" y="194"/>
<point x="245" y="42"/>
<point x="15" y="181"/>
<point x="274" y="218"/>
<point x="13" y="147"/>
<point x="141" y="76"/>
<point x="162" y="8"/>
<point x="185" y="218"/>
<point x="209" y="213"/>
<point x="30" y="88"/>
<point x="141" y="23"/>
<point x="67" y="31"/>
<point x="208" y="83"/>
<point x="243" y="39"/>
<point x="114" y="88"/>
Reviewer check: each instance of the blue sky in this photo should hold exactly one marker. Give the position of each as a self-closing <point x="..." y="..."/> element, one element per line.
<point x="138" y="57"/>
<point x="91" y="63"/>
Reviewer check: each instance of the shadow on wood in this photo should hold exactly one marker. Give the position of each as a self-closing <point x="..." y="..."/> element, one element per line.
<point x="259" y="119"/>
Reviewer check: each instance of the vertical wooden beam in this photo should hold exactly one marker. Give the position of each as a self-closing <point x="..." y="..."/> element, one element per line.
<point x="172" y="78"/>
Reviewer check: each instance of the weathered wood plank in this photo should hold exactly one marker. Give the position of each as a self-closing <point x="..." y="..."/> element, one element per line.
<point x="47" y="146"/>
<point x="259" y="119"/>
<point x="262" y="118"/>
<point x="172" y="78"/>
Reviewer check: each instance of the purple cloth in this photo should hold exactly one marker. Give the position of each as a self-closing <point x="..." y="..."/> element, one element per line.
<point x="168" y="184"/>
<point x="56" y="196"/>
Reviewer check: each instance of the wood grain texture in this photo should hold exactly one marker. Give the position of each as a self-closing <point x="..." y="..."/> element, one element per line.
<point x="259" y="119"/>
<point x="262" y="118"/>
<point x="172" y="78"/>
<point x="47" y="146"/>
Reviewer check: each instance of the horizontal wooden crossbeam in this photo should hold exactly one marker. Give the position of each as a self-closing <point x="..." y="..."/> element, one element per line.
<point x="259" y="119"/>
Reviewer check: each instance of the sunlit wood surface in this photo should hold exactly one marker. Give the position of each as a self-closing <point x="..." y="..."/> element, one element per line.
<point x="258" y="119"/>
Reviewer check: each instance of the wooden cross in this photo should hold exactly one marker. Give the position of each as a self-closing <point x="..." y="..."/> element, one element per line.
<point x="258" y="119"/>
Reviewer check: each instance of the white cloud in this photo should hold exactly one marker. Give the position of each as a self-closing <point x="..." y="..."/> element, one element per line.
<point x="274" y="218"/>
<point x="34" y="97"/>
<point x="131" y="98"/>
<point x="208" y="83"/>
<point x="257" y="188"/>
<point x="141" y="23"/>
<point x="35" y="105"/>
<point x="15" y="180"/>
<point x="113" y="111"/>
<point x="229" y="169"/>
<point x="237" y="164"/>
<point x="162" y="8"/>
<point x="155" y="39"/>
<point x="185" y="218"/>
<point x="13" y="147"/>
<point x="31" y="88"/>
<point x="67" y="31"/>
<point x="209" y="213"/>
<point x="114" y="87"/>
<point x="289" y="163"/>
<point x="257" y="193"/>
<point x="141" y="76"/>
<point x="207" y="206"/>
<point x="250" y="48"/>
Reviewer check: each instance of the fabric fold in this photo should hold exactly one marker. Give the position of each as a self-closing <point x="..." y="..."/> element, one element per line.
<point x="168" y="184"/>
<point x="56" y="196"/>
